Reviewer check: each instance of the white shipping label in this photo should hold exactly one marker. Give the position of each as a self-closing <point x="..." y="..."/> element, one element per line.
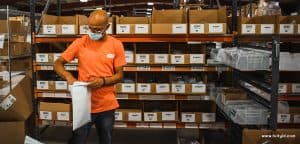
<point x="208" y="117"/>
<point x="8" y="102"/>
<point x="215" y="28"/>
<point x="298" y="28"/>
<point x="142" y="125"/>
<point x="143" y="68"/>
<point x="196" y="28"/>
<point x="42" y="57"/>
<point x="179" y="28"/>
<point x="46" y="115"/>
<point x="267" y="29"/>
<point x="198" y="88"/>
<point x="129" y="57"/>
<point x="161" y="58"/>
<point x="156" y="125"/>
<point x="68" y="29"/>
<point x="84" y="29"/>
<point x="168" y="68"/>
<point x="141" y="28"/>
<point x="150" y="116"/>
<point x="162" y="88"/>
<point x="2" y="39"/>
<point x="284" y="118"/>
<point x="63" y="116"/>
<point x="47" y="68"/>
<point x="286" y="29"/>
<point x="178" y="88"/>
<point x="177" y="59"/>
<point x="49" y="29"/>
<point x="109" y="30"/>
<point x="196" y="58"/>
<point x="56" y="56"/>
<point x="42" y="85"/>
<point x="134" y="116"/>
<point x="295" y="88"/>
<point x="118" y="116"/>
<point x="187" y="117"/>
<point x="248" y="28"/>
<point x="296" y="118"/>
<point x="123" y="28"/>
<point x="282" y="88"/>
<point x="61" y="85"/>
<point x="168" y="116"/>
<point x="129" y="88"/>
<point x="144" y="88"/>
<point x="142" y="58"/>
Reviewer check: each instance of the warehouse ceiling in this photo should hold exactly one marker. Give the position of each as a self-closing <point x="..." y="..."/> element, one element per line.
<point x="121" y="7"/>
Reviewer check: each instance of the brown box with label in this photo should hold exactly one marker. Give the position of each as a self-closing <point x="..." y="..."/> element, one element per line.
<point x="55" y="110"/>
<point x="257" y="25"/>
<point x="15" y="27"/>
<point x="83" y="24"/>
<point x="280" y="136"/>
<point x="195" y="88"/>
<point x="18" y="102"/>
<point x="169" y="22"/>
<point x="210" y="19"/>
<point x="12" y="132"/>
<point x="295" y="114"/>
<point x="233" y="94"/>
<point x="288" y="25"/>
<point x="21" y="64"/>
<point x="63" y="24"/>
<point x="203" y="111"/>
<point x="16" y="49"/>
<point x="160" y="111"/>
<point x="133" y="25"/>
<point x="130" y="111"/>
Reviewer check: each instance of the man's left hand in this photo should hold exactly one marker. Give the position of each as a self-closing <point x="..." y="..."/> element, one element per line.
<point x="95" y="82"/>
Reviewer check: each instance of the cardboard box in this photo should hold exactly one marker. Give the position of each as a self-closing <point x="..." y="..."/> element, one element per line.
<point x="162" y="88"/>
<point x="129" y="56"/>
<point x="12" y="132"/>
<point x="195" y="58"/>
<point x="288" y="24"/>
<point x="233" y="94"/>
<point x="208" y="21"/>
<point x="257" y="25"/>
<point x="289" y="61"/>
<point x="21" y="64"/>
<point x="133" y="25"/>
<point x="17" y="104"/>
<point x="178" y="88"/>
<point x="145" y="88"/>
<point x="198" y="111"/>
<point x="44" y="57"/>
<point x="287" y="88"/>
<point x="161" y="58"/>
<point x="295" y="114"/>
<point x="128" y="115"/>
<point x="16" y="49"/>
<point x="160" y="111"/>
<point x="195" y="88"/>
<point x="280" y="136"/>
<point x="16" y="27"/>
<point x="178" y="59"/>
<point x="84" y="28"/>
<point x="55" y="111"/>
<point x="66" y="25"/>
<point x="142" y="58"/>
<point x="125" y="87"/>
<point x="169" y="22"/>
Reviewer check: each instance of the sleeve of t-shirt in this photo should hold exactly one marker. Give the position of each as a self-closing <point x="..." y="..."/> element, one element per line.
<point x="119" y="54"/>
<point x="71" y="52"/>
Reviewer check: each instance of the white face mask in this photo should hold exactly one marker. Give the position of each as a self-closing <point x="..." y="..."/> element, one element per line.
<point x="95" y="36"/>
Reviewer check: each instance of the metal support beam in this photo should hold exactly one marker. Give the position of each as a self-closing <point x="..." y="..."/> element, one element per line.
<point x="58" y="9"/>
<point x="275" y="80"/>
<point x="234" y="21"/>
<point x="250" y="8"/>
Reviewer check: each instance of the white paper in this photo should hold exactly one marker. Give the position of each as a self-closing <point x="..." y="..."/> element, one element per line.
<point x="162" y="88"/>
<point x="196" y="28"/>
<point x="141" y="28"/>
<point x="123" y="28"/>
<point x="134" y="116"/>
<point x="49" y="29"/>
<point x="142" y="58"/>
<point x="8" y="102"/>
<point x="208" y="117"/>
<point x="187" y="117"/>
<point x="109" y="30"/>
<point x="267" y="29"/>
<point x="161" y="58"/>
<point x="295" y="88"/>
<point x="42" y="85"/>
<point x="282" y="88"/>
<point x="63" y="116"/>
<point x="196" y="59"/>
<point x="286" y="29"/>
<point x="68" y="29"/>
<point x="179" y="28"/>
<point x="248" y="28"/>
<point x="56" y="56"/>
<point x="215" y="28"/>
<point x="83" y="29"/>
<point x="177" y="59"/>
<point x="149" y="116"/>
<point x="129" y="56"/>
<point x="42" y="57"/>
<point x="118" y="116"/>
<point x="284" y="118"/>
<point x="143" y="88"/>
<point x="2" y="39"/>
<point x="30" y="140"/>
<point x="178" y="88"/>
<point x="128" y="88"/>
<point x="297" y="118"/>
<point x="61" y="85"/>
<point x="168" y="116"/>
<point x="45" y="115"/>
<point x="81" y="104"/>
<point x="198" y="88"/>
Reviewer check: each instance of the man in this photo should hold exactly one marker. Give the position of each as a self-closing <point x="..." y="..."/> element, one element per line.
<point x="101" y="60"/>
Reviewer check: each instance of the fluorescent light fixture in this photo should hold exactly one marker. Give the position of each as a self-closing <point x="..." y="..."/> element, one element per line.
<point x="83" y="0"/>
<point x="150" y="3"/>
<point x="149" y="9"/>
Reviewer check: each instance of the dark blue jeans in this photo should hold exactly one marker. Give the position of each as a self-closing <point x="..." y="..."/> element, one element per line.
<point x="104" y="122"/>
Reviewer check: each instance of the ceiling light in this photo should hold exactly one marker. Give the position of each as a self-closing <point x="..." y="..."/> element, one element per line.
<point x="150" y="3"/>
<point x="83" y="0"/>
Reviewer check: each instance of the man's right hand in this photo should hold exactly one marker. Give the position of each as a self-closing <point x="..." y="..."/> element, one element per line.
<point x="70" y="80"/>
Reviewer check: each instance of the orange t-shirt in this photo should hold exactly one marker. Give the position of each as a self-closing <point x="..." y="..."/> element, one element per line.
<point x="97" y="59"/>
